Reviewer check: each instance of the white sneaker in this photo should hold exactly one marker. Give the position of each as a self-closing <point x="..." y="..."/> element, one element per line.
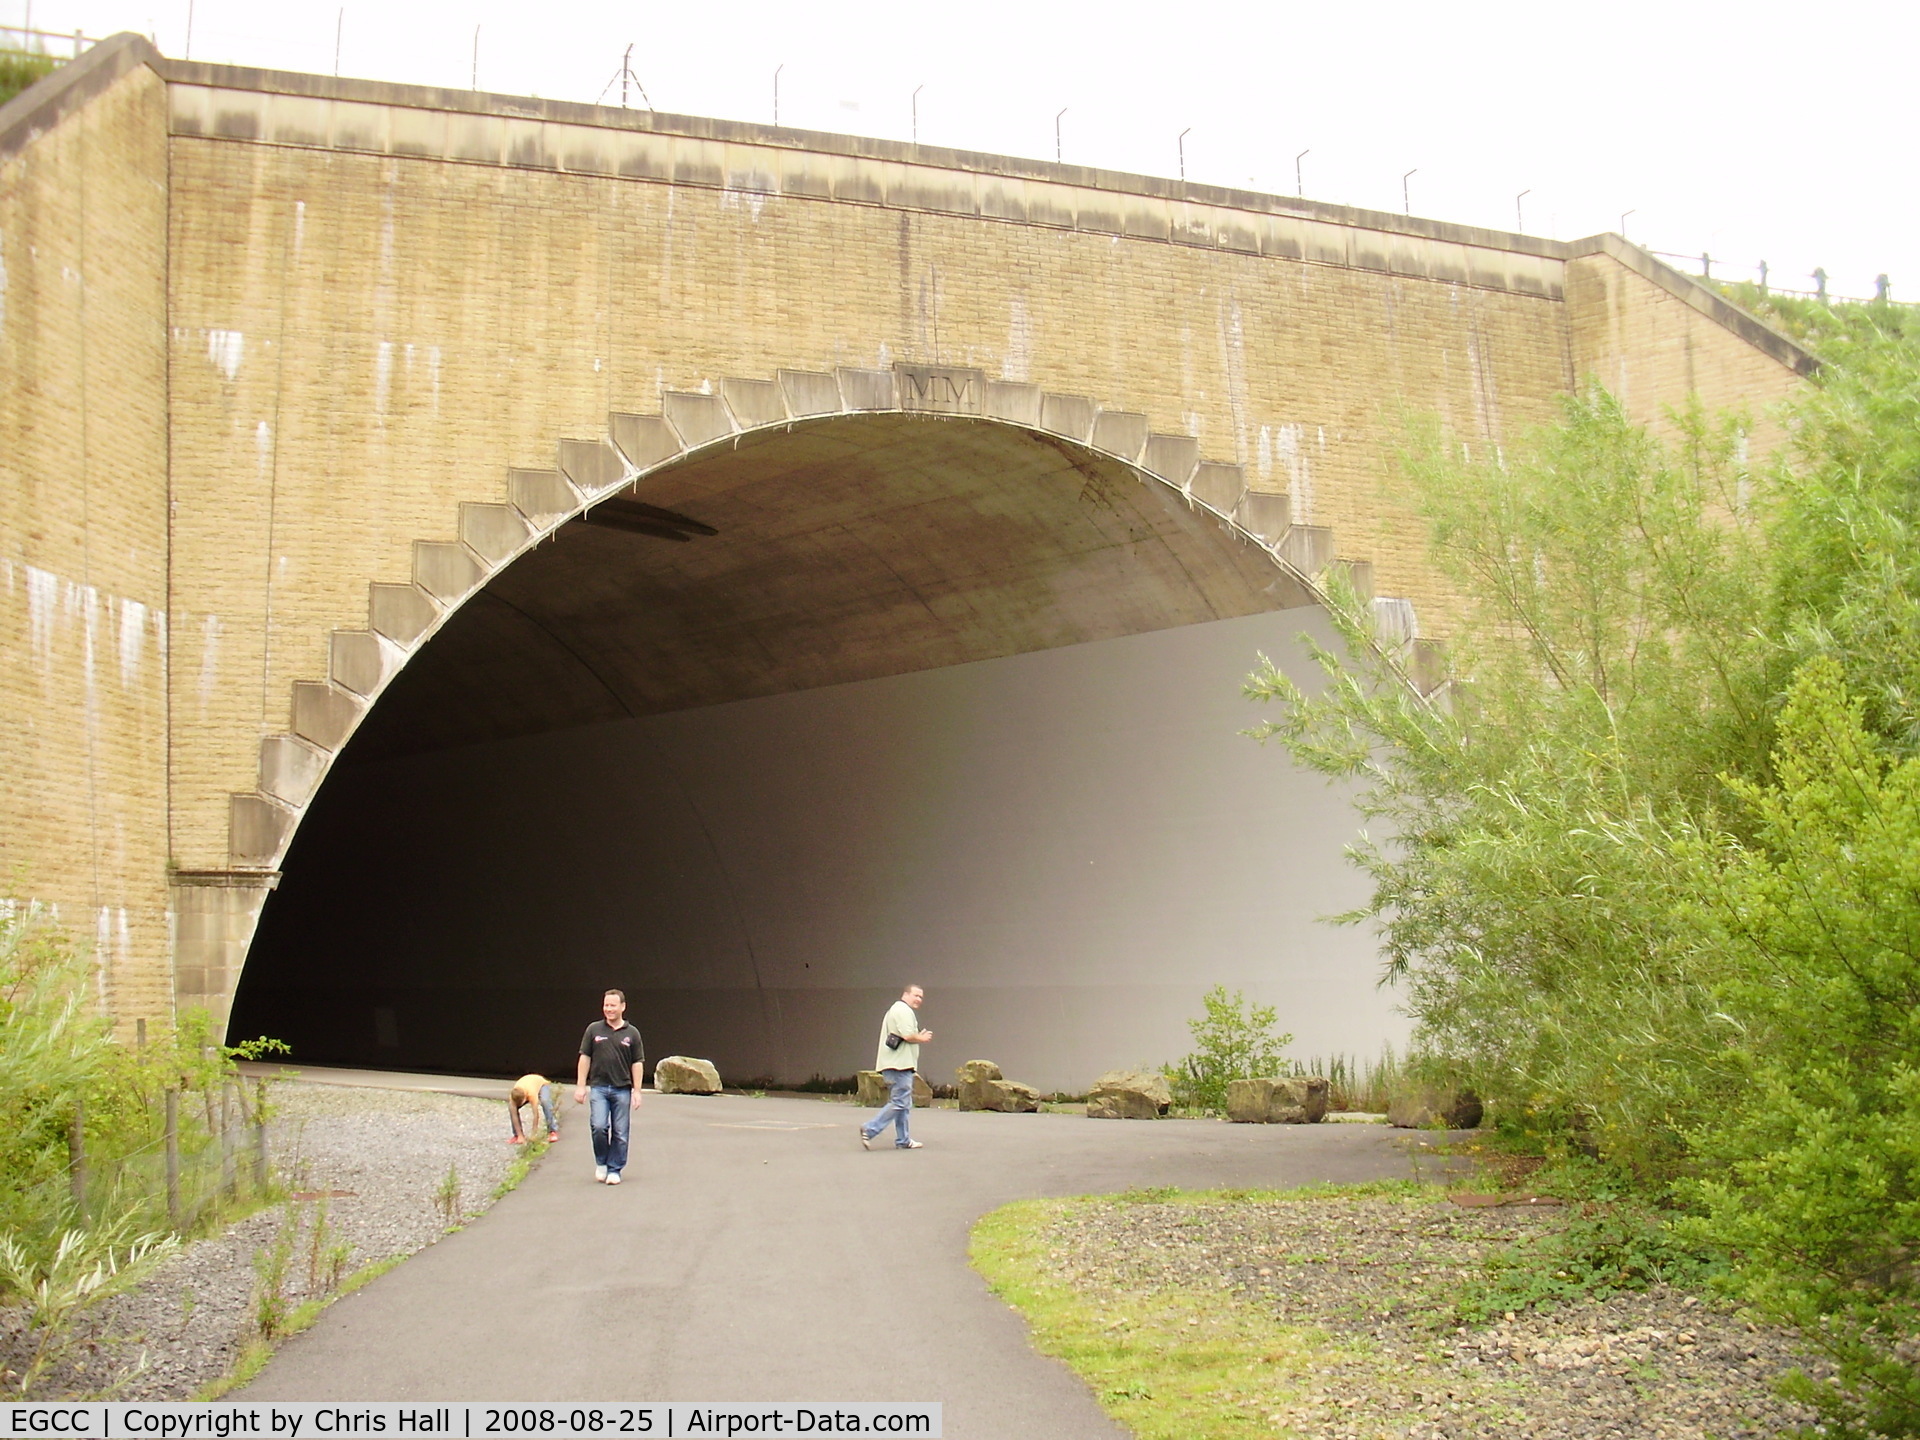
<point x="600" y="1173"/>
<point x="614" y="1178"/>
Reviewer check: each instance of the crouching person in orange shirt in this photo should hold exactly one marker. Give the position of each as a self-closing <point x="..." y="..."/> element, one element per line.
<point x="536" y="1093"/>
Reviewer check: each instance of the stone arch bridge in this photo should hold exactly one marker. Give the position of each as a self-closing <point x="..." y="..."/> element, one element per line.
<point x="560" y="546"/>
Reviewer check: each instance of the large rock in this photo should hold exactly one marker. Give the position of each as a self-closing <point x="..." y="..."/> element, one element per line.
<point x="1128" y="1095"/>
<point x="982" y="1088"/>
<point x="1429" y="1108"/>
<point x="873" y="1089"/>
<point x="684" y="1075"/>
<point x="1011" y="1097"/>
<point x="974" y="1077"/>
<point x="1301" y="1100"/>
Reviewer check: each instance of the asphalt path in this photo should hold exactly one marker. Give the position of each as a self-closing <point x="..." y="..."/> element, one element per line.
<point x="756" y="1252"/>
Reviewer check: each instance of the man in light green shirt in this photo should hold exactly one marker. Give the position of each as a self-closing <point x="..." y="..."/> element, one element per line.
<point x="900" y="1040"/>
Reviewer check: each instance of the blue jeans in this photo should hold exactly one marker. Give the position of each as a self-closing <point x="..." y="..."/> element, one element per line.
<point x="545" y="1107"/>
<point x="899" y="1105"/>
<point x="610" y="1115"/>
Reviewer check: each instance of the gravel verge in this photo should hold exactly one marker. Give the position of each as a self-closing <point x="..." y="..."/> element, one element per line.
<point x="365" y="1164"/>
<point x="1371" y="1273"/>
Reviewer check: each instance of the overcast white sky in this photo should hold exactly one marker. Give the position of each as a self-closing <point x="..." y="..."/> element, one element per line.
<point x="1754" y="132"/>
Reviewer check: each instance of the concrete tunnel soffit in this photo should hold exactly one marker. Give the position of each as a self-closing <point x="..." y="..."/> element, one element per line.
<point x="401" y="617"/>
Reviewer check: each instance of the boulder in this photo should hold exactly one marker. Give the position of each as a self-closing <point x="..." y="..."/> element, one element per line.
<point x="684" y="1075"/>
<point x="1010" y="1097"/>
<point x="1128" y="1095"/>
<point x="976" y="1077"/>
<point x="1429" y="1108"/>
<point x="1301" y="1100"/>
<point x="873" y="1089"/>
<point x="982" y="1088"/>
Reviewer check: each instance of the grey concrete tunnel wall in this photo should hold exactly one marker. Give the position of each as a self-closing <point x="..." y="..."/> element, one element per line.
<point x="1067" y="847"/>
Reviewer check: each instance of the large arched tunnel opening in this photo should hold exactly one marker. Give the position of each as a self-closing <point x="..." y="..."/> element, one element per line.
<point x="848" y="704"/>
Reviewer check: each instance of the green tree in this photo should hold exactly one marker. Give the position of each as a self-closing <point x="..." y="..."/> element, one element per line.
<point x="1232" y="1040"/>
<point x="1522" y="827"/>
<point x="1848" y="538"/>
<point x="1813" y="1178"/>
<point x="1650" y="868"/>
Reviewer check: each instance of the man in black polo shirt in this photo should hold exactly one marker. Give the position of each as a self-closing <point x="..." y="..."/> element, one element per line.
<point x="610" y="1051"/>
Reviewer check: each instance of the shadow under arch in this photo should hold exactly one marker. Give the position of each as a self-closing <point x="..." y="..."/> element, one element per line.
<point x="846" y="551"/>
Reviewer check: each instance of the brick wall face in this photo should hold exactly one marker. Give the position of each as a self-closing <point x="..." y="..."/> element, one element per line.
<point x="83" y="573"/>
<point x="362" y="342"/>
<point x="333" y="350"/>
<point x="1653" y="350"/>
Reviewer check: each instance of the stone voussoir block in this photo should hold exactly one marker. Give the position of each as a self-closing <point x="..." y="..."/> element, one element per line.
<point x="493" y="532"/>
<point x="594" y="466"/>
<point x="323" y="714"/>
<point x="940" y="389"/>
<point x="1218" y="486"/>
<point x="1013" y="402"/>
<point x="809" y="393"/>
<point x="402" y="613"/>
<point x="1264" y="514"/>
<point x="753" y="402"/>
<point x="645" y="440"/>
<point x="1359" y="576"/>
<point x="866" y="389"/>
<point x="698" y="419"/>
<point x="258" y="829"/>
<point x="447" y="570"/>
<point x="1307" y="548"/>
<point x="1173" y="458"/>
<point x="290" y="769"/>
<point x="543" y="496"/>
<point x="358" y="660"/>
<point x="1068" y="415"/>
<point x="1120" y="432"/>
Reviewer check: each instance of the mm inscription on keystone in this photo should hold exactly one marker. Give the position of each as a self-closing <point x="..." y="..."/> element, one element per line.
<point x="941" y="390"/>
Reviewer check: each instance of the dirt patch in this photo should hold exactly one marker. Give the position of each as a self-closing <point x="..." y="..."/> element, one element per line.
<point x="1376" y="1273"/>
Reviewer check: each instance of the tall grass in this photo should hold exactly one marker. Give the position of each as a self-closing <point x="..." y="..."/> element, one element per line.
<point x="108" y="1151"/>
<point x="1354" y="1083"/>
<point x="19" y="69"/>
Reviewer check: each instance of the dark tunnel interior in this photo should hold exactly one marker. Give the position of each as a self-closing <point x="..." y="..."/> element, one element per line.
<point x="851" y="704"/>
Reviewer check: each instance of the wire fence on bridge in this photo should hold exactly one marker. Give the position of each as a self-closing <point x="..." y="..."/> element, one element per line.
<point x="59" y="47"/>
<point x="1702" y="267"/>
<point x="56" y="45"/>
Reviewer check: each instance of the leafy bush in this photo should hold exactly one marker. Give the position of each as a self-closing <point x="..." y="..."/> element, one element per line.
<point x="1527" y="888"/>
<point x="1651" y="875"/>
<point x="1232" y="1041"/>
<point x="1604" y="1248"/>
<point x="82" y="1267"/>
<point x="1814" y="1177"/>
<point x="75" y="1103"/>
